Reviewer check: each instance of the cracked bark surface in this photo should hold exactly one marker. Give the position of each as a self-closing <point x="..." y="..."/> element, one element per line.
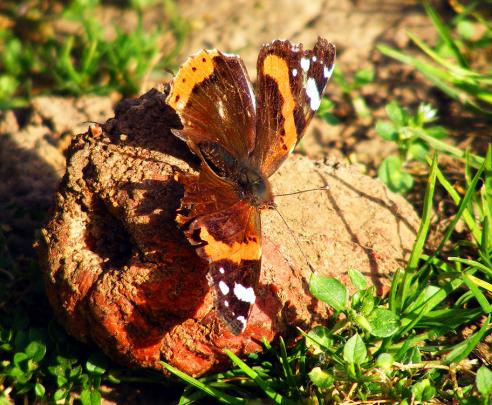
<point x="120" y="273"/>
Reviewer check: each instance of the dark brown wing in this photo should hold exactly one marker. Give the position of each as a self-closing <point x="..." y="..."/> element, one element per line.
<point x="213" y="97"/>
<point x="227" y="234"/>
<point x="289" y="89"/>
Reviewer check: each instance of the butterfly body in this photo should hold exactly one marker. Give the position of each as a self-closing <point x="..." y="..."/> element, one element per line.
<point x="248" y="181"/>
<point x="241" y="138"/>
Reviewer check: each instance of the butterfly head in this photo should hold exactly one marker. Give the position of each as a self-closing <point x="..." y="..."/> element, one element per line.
<point x="255" y="188"/>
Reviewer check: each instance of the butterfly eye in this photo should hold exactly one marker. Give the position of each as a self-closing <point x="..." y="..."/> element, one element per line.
<point x="259" y="187"/>
<point x="243" y="178"/>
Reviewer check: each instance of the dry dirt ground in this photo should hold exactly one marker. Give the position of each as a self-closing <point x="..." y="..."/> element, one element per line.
<point x="32" y="141"/>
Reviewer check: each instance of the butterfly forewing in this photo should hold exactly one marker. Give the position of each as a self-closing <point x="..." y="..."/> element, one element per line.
<point x="290" y="84"/>
<point x="213" y="97"/>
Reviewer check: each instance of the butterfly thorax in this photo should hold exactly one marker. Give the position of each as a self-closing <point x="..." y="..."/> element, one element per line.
<point x="254" y="187"/>
<point x="249" y="183"/>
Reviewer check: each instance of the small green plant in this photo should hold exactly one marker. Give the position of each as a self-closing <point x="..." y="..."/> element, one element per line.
<point x="325" y="111"/>
<point x="40" y="364"/>
<point x="38" y="361"/>
<point x="85" y="62"/>
<point x="407" y="131"/>
<point x="351" y="89"/>
<point x="351" y="93"/>
<point x="447" y="65"/>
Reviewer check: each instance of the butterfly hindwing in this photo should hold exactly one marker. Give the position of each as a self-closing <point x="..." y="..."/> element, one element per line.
<point x="213" y="97"/>
<point x="226" y="232"/>
<point x="235" y="278"/>
<point x="290" y="84"/>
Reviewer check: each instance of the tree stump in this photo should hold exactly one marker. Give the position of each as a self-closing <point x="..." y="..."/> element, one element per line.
<point x="119" y="271"/>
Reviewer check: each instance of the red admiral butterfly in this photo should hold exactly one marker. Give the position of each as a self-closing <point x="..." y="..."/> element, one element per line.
<point x="241" y="137"/>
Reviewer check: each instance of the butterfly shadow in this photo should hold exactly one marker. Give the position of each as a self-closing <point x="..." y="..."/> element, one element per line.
<point x="388" y="205"/>
<point x="147" y="261"/>
<point x="146" y="123"/>
<point x="179" y="284"/>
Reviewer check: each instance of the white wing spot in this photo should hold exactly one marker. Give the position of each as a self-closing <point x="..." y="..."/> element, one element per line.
<point x="294" y="72"/>
<point x="313" y="94"/>
<point x="226" y="303"/>
<point x="314" y="58"/>
<point x="252" y="94"/>
<point x="328" y="71"/>
<point x="224" y="289"/>
<point x="244" y="294"/>
<point x="305" y="64"/>
<point x="221" y="270"/>
<point x="221" y="109"/>
<point x="242" y="319"/>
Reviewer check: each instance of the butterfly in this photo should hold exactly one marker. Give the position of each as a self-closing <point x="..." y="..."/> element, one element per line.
<point x="241" y="135"/>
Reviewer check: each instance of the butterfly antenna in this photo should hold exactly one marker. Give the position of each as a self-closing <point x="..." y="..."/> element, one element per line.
<point x="296" y="241"/>
<point x="324" y="188"/>
<point x="91" y="122"/>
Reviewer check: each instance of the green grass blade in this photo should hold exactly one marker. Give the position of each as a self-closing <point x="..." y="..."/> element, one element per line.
<point x="218" y="395"/>
<point x="423" y="230"/>
<point x="66" y="62"/>
<point x="463" y="349"/>
<point x="444" y="33"/>
<point x="480" y="283"/>
<point x="394" y="298"/>
<point x="486" y="193"/>
<point x="450" y="318"/>
<point x="487" y="308"/>
<point x="474" y="205"/>
<point x="453" y="69"/>
<point x="472" y="263"/>
<point x="485" y="241"/>
<point x="467" y="217"/>
<point x="475" y="161"/>
<point x="187" y="399"/>
<point x="437" y="76"/>
<point x="286" y="366"/>
<point x="405" y="345"/>
<point x="409" y="322"/>
<point x="464" y="202"/>
<point x="461" y="208"/>
<point x="426" y="305"/>
<point x="431" y="296"/>
<point x="421" y="237"/>
<point x="269" y="391"/>
<point x="89" y="57"/>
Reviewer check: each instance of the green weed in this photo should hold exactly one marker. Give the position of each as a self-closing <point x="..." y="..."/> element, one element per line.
<point x="447" y="64"/>
<point x="410" y="133"/>
<point x="84" y="62"/>
<point x="351" y="89"/>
